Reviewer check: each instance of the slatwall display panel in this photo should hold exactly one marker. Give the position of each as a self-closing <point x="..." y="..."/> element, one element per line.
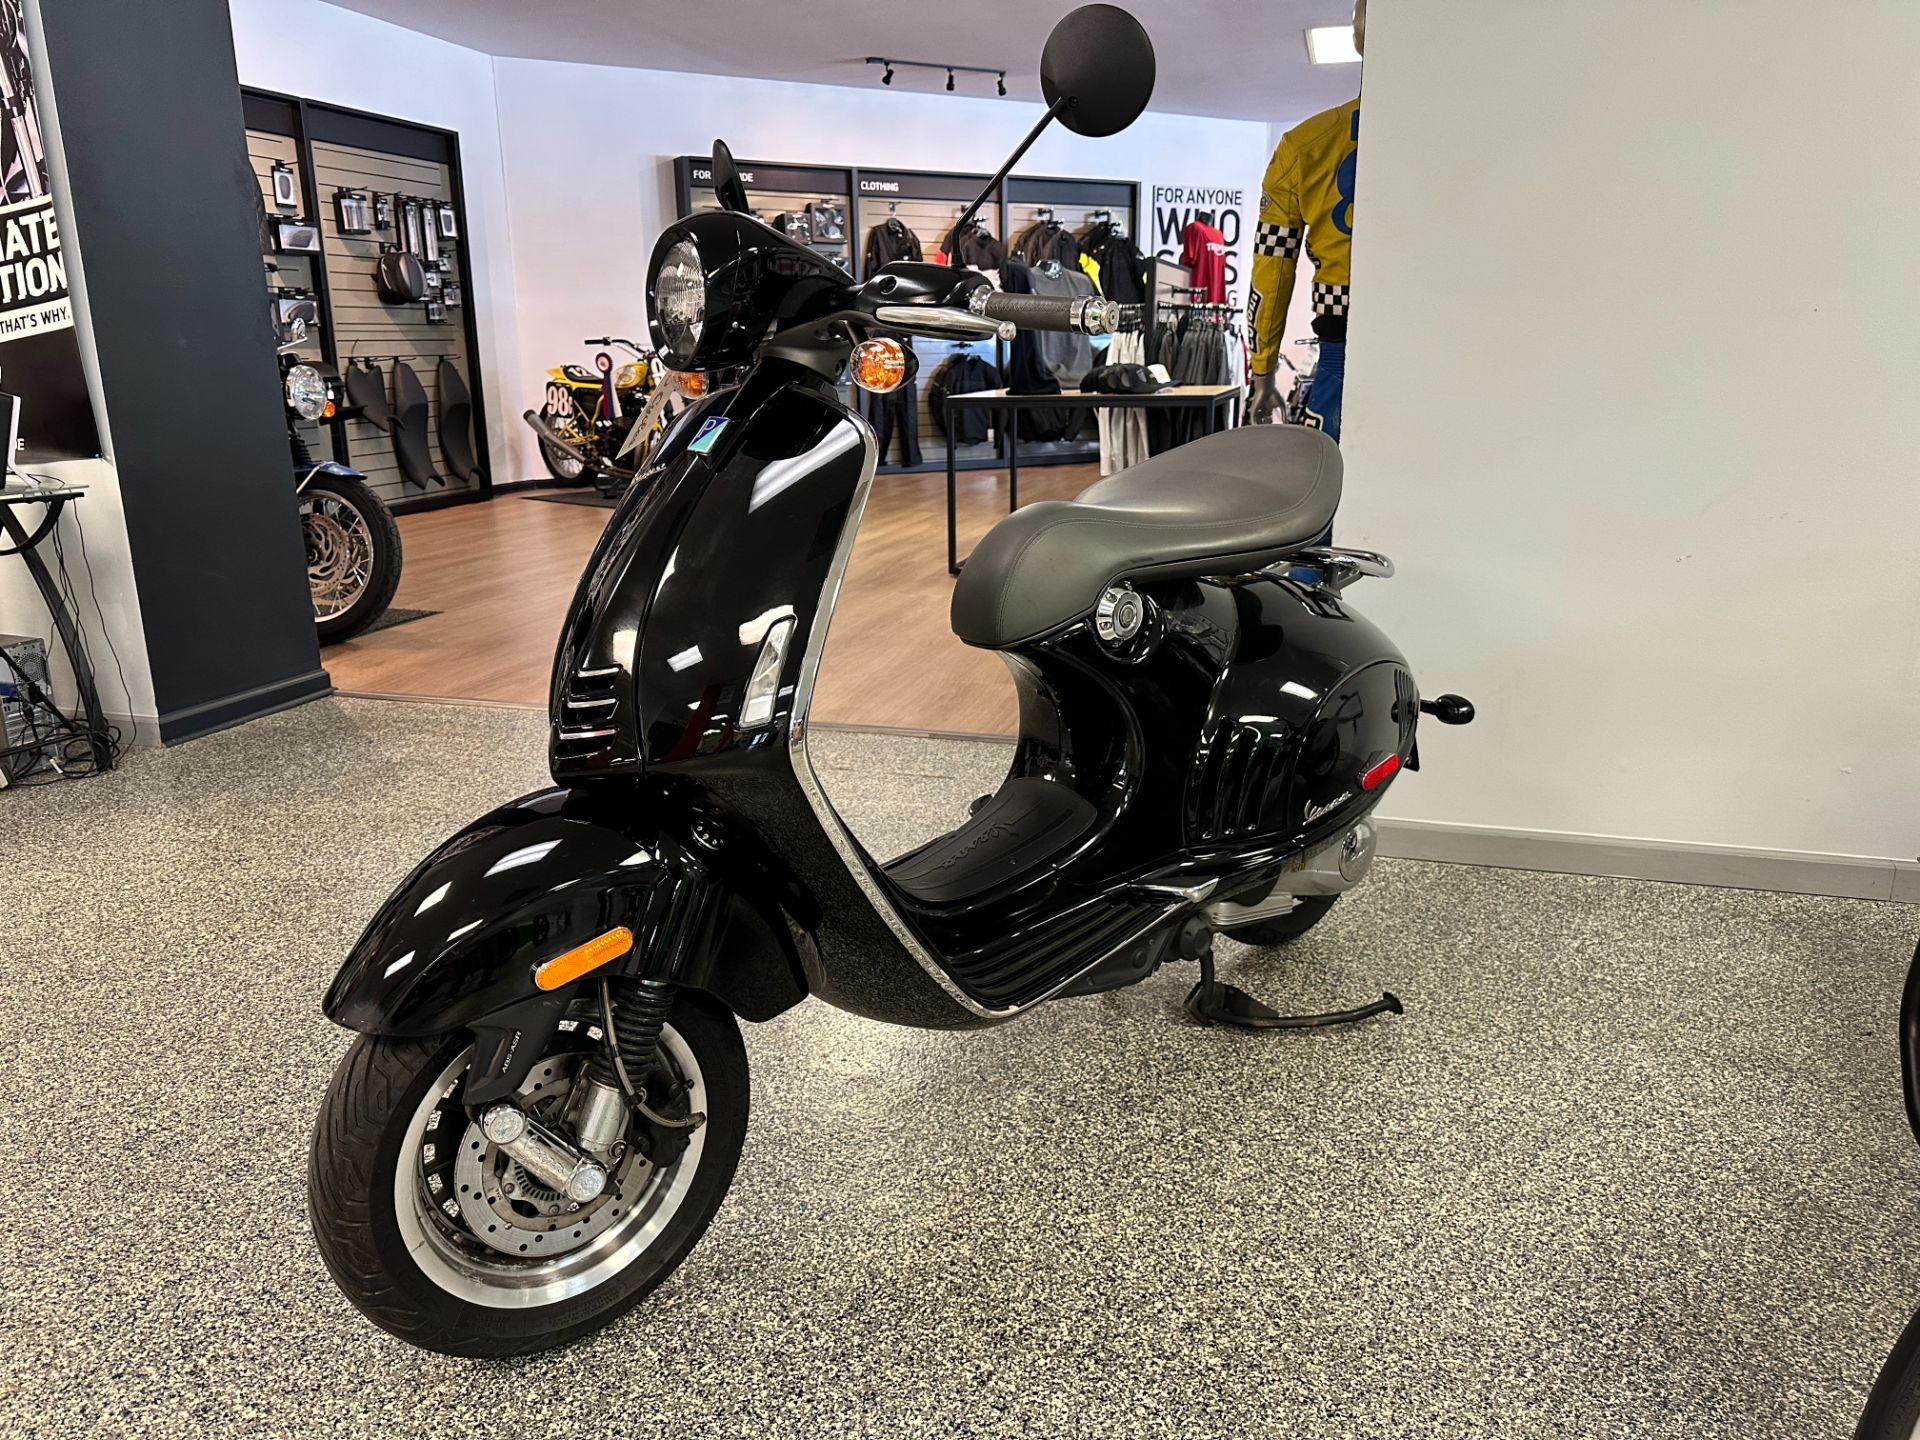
<point x="294" y="271"/>
<point x="367" y="327"/>
<point x="932" y="223"/>
<point x="768" y="205"/>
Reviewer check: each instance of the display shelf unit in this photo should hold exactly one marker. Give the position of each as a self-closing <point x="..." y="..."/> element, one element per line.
<point x="929" y="202"/>
<point x="334" y="148"/>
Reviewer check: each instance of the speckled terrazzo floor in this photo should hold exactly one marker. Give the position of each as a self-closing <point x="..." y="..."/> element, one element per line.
<point x="1633" y="1164"/>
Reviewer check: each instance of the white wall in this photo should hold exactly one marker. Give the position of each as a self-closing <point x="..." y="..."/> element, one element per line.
<point x="590" y="180"/>
<point x="1679" y="578"/>
<point x="321" y="52"/>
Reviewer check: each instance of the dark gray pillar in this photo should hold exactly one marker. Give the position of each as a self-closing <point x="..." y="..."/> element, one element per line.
<point x="149" y="107"/>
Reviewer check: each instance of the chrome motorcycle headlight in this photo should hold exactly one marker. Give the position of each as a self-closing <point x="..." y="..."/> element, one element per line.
<point x="680" y="303"/>
<point x="306" y="392"/>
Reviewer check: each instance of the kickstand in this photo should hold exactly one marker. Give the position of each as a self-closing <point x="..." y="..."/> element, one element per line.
<point x="1212" y="1003"/>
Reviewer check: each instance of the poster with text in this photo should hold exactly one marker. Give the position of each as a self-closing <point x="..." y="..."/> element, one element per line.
<point x="39" y="351"/>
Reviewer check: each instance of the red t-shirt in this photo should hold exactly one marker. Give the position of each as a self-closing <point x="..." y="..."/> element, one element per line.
<point x="1204" y="251"/>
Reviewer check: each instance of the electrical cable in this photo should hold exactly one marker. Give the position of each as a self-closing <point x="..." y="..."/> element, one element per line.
<point x="78" y="749"/>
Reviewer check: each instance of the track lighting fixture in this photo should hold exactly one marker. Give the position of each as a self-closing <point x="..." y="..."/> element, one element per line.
<point x="887" y="67"/>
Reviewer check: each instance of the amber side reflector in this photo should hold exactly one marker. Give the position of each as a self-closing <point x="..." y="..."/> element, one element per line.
<point x="565" y="969"/>
<point x="880" y="365"/>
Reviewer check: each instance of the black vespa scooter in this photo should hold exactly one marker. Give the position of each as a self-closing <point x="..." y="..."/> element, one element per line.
<point x="550" y="1092"/>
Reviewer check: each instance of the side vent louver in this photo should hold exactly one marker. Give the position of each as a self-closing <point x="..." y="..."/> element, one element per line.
<point x="586" y="731"/>
<point x="1235" y="785"/>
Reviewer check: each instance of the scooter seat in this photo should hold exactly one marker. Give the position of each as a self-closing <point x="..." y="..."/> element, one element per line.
<point x="1230" y="503"/>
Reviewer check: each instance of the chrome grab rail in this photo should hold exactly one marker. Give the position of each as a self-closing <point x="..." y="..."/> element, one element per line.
<point x="1338" y="567"/>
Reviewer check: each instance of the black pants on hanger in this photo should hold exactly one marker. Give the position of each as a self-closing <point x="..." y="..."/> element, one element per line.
<point x="898" y="411"/>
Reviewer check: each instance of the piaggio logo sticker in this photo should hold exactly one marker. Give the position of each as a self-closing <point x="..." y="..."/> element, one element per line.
<point x="710" y="432"/>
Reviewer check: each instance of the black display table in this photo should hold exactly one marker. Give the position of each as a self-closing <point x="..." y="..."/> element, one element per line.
<point x="1216" y="400"/>
<point x="25" y="541"/>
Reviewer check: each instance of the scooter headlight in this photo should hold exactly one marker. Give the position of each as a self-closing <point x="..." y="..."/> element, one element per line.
<point x="680" y="304"/>
<point x="306" y="392"/>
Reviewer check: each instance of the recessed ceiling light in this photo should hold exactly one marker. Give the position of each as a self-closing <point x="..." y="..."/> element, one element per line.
<point x="1332" y="45"/>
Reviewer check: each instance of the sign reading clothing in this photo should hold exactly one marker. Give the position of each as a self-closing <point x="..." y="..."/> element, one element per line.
<point x="39" y="352"/>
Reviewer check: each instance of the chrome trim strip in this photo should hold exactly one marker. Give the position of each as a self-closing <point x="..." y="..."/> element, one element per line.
<point x="830" y="821"/>
<point x="603" y="673"/>
<point x="571" y="736"/>
<point x="1192" y="894"/>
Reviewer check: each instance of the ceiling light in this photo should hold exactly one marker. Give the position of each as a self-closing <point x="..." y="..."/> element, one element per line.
<point x="949" y="80"/>
<point x="1003" y="82"/>
<point x="887" y="79"/>
<point x="1332" y="45"/>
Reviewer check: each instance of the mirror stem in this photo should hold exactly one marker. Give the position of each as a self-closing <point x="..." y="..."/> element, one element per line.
<point x="1053" y="113"/>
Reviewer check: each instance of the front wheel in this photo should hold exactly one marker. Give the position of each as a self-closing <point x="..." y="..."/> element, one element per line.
<point x="448" y="1243"/>
<point x="353" y="555"/>
<point x="1893" y="1409"/>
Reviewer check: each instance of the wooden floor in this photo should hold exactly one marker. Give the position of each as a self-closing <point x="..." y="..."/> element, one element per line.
<point x="502" y="574"/>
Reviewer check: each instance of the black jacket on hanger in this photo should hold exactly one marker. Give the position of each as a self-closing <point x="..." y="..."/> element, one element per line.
<point x="890" y="241"/>
<point x="963" y="374"/>
<point x="974" y="248"/>
<point x="1123" y="273"/>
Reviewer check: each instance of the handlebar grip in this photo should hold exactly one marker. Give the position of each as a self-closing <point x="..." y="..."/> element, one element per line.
<point x="1086" y="315"/>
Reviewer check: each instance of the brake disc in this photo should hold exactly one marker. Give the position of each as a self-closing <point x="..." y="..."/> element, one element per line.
<point x="507" y="1209"/>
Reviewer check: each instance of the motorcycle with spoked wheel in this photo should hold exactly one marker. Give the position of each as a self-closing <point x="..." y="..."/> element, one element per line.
<point x="601" y="424"/>
<point x="548" y="1095"/>
<point x="354" y="554"/>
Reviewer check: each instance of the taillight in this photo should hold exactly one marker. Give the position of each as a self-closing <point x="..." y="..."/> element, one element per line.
<point x="1381" y="773"/>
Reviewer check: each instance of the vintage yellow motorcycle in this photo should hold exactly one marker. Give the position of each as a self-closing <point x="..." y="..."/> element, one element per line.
<point x="602" y="424"/>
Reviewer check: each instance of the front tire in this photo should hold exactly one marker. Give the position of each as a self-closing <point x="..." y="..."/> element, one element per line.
<point x="1893" y="1408"/>
<point x="353" y="555"/>
<point x="393" y="1215"/>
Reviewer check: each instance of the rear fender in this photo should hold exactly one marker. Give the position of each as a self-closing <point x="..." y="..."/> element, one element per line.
<point x="457" y="944"/>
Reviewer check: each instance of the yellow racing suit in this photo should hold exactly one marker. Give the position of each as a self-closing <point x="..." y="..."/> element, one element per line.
<point x="1306" y="199"/>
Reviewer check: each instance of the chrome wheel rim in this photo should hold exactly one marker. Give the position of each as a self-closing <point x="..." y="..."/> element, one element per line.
<point x="622" y="1227"/>
<point x="339" y="554"/>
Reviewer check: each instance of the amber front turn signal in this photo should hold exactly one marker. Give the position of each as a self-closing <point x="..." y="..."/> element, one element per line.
<point x="565" y="969"/>
<point x="880" y="365"/>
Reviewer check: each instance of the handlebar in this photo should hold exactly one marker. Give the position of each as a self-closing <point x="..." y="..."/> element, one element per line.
<point x="1083" y="315"/>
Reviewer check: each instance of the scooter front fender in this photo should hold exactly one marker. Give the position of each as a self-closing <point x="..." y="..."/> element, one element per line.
<point x="457" y="944"/>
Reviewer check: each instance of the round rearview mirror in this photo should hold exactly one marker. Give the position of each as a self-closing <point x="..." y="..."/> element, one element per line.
<point x="726" y="180"/>
<point x="1100" y="60"/>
